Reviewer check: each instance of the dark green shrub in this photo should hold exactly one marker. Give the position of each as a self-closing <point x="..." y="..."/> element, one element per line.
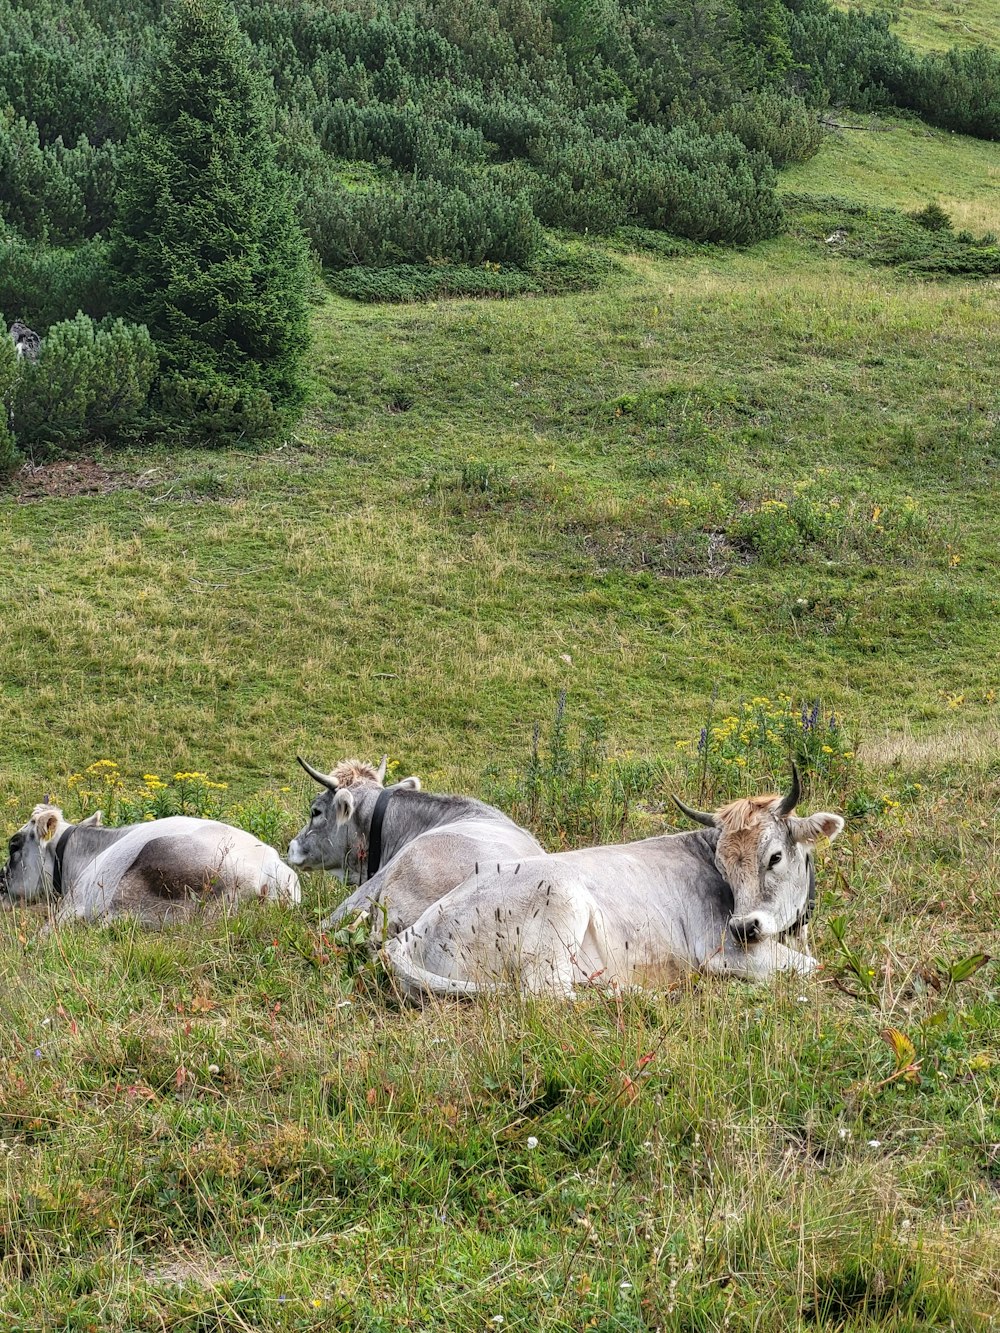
<point x="34" y="191"/>
<point x="207" y="251"/>
<point x="224" y="412"/>
<point x="886" y="236"/>
<point x="957" y="89"/>
<point x="408" y="136"/>
<point x="43" y="286"/>
<point x="704" y="187"/>
<point x="9" y="374"/>
<point x="932" y="217"/>
<point x="90" y="381"/>
<point x="783" y="127"/>
<point x="422" y="219"/>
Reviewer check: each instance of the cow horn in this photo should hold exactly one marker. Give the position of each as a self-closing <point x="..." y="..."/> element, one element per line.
<point x="698" y="816"/>
<point x="382" y="768"/>
<point x="789" y="802"/>
<point x="330" y="783"/>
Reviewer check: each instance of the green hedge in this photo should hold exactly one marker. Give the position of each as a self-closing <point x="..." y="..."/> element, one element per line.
<point x="90" y="381"/>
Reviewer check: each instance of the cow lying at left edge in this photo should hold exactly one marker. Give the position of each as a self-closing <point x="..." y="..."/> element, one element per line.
<point x="160" y="871"/>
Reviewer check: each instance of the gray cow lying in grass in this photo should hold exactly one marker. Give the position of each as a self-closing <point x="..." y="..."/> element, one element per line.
<point x="403" y="847"/>
<point x="720" y="900"/>
<point x="160" y="871"/>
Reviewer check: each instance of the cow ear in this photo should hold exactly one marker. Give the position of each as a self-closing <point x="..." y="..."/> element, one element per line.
<point x="96" y="820"/>
<point x="343" y="805"/>
<point x="814" y="827"/>
<point x="408" y="784"/>
<point x="46" y="825"/>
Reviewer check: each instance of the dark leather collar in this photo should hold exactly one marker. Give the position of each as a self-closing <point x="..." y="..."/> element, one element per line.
<point x="374" y="857"/>
<point x="60" y="856"/>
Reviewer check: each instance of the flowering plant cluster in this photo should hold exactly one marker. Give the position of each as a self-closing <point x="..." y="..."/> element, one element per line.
<point x="748" y="748"/>
<point x="102" y="785"/>
<point x="123" y="800"/>
<point x="778" y="528"/>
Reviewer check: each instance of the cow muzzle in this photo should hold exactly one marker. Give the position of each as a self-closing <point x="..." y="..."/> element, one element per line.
<point x="746" y="929"/>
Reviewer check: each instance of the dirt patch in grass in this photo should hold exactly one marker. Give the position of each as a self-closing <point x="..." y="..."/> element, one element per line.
<point x="690" y="552"/>
<point x="181" y="1268"/>
<point x="79" y="476"/>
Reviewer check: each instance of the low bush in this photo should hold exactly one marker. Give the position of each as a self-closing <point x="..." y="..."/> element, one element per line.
<point x="53" y="191"/>
<point x="91" y="381"/>
<point x="559" y="268"/>
<point x="700" y="186"/>
<point x="957" y="89"/>
<point x="9" y="374"/>
<point x="783" y="127"/>
<point x="44" y="286"/>
<point x="471" y="224"/>
<point x="919" y="243"/>
<point x="207" y="407"/>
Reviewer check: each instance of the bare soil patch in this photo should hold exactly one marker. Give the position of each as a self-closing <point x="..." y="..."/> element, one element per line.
<point x="70" y="477"/>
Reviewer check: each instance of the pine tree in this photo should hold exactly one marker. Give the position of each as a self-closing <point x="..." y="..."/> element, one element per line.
<point x="207" y="252"/>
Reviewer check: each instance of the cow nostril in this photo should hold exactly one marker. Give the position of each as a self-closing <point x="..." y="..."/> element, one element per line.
<point x="745" y="931"/>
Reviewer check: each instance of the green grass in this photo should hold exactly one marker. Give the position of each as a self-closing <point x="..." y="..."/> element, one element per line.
<point x="739" y="473"/>
<point x="936" y="25"/>
<point x="905" y="164"/>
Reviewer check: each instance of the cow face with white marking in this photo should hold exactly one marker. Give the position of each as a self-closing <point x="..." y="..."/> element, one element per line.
<point x="765" y="855"/>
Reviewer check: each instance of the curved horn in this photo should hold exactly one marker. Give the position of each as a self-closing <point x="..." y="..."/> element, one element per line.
<point x="382" y="768"/>
<point x="321" y="778"/>
<point x="698" y="816"/>
<point x="789" y="802"/>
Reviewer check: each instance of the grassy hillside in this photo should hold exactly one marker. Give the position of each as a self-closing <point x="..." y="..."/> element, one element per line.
<point x="730" y="474"/>
<point x="935" y="25"/>
<point x="904" y="164"/>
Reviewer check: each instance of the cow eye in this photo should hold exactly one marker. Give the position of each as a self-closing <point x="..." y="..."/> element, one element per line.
<point x="774" y="860"/>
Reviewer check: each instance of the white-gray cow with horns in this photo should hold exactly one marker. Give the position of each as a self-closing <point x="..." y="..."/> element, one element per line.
<point x="722" y="899"/>
<point x="160" y="871"/>
<point x="404" y="848"/>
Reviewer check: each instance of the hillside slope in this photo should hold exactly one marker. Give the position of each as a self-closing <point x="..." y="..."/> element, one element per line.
<point x="763" y="477"/>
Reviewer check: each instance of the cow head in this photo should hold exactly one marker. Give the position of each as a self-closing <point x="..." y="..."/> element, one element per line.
<point x="27" y="876"/>
<point x="765" y="854"/>
<point x="336" y="836"/>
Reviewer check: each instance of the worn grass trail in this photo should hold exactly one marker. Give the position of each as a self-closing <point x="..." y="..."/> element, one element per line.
<point x="739" y="474"/>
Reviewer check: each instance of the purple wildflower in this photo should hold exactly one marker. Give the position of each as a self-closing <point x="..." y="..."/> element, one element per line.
<point x="703" y="740"/>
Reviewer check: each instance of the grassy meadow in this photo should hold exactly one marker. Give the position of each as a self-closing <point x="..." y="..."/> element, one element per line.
<point x="721" y="477"/>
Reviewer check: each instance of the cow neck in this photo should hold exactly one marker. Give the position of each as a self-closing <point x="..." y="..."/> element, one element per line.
<point x="374" y="857"/>
<point x="57" y="865"/>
